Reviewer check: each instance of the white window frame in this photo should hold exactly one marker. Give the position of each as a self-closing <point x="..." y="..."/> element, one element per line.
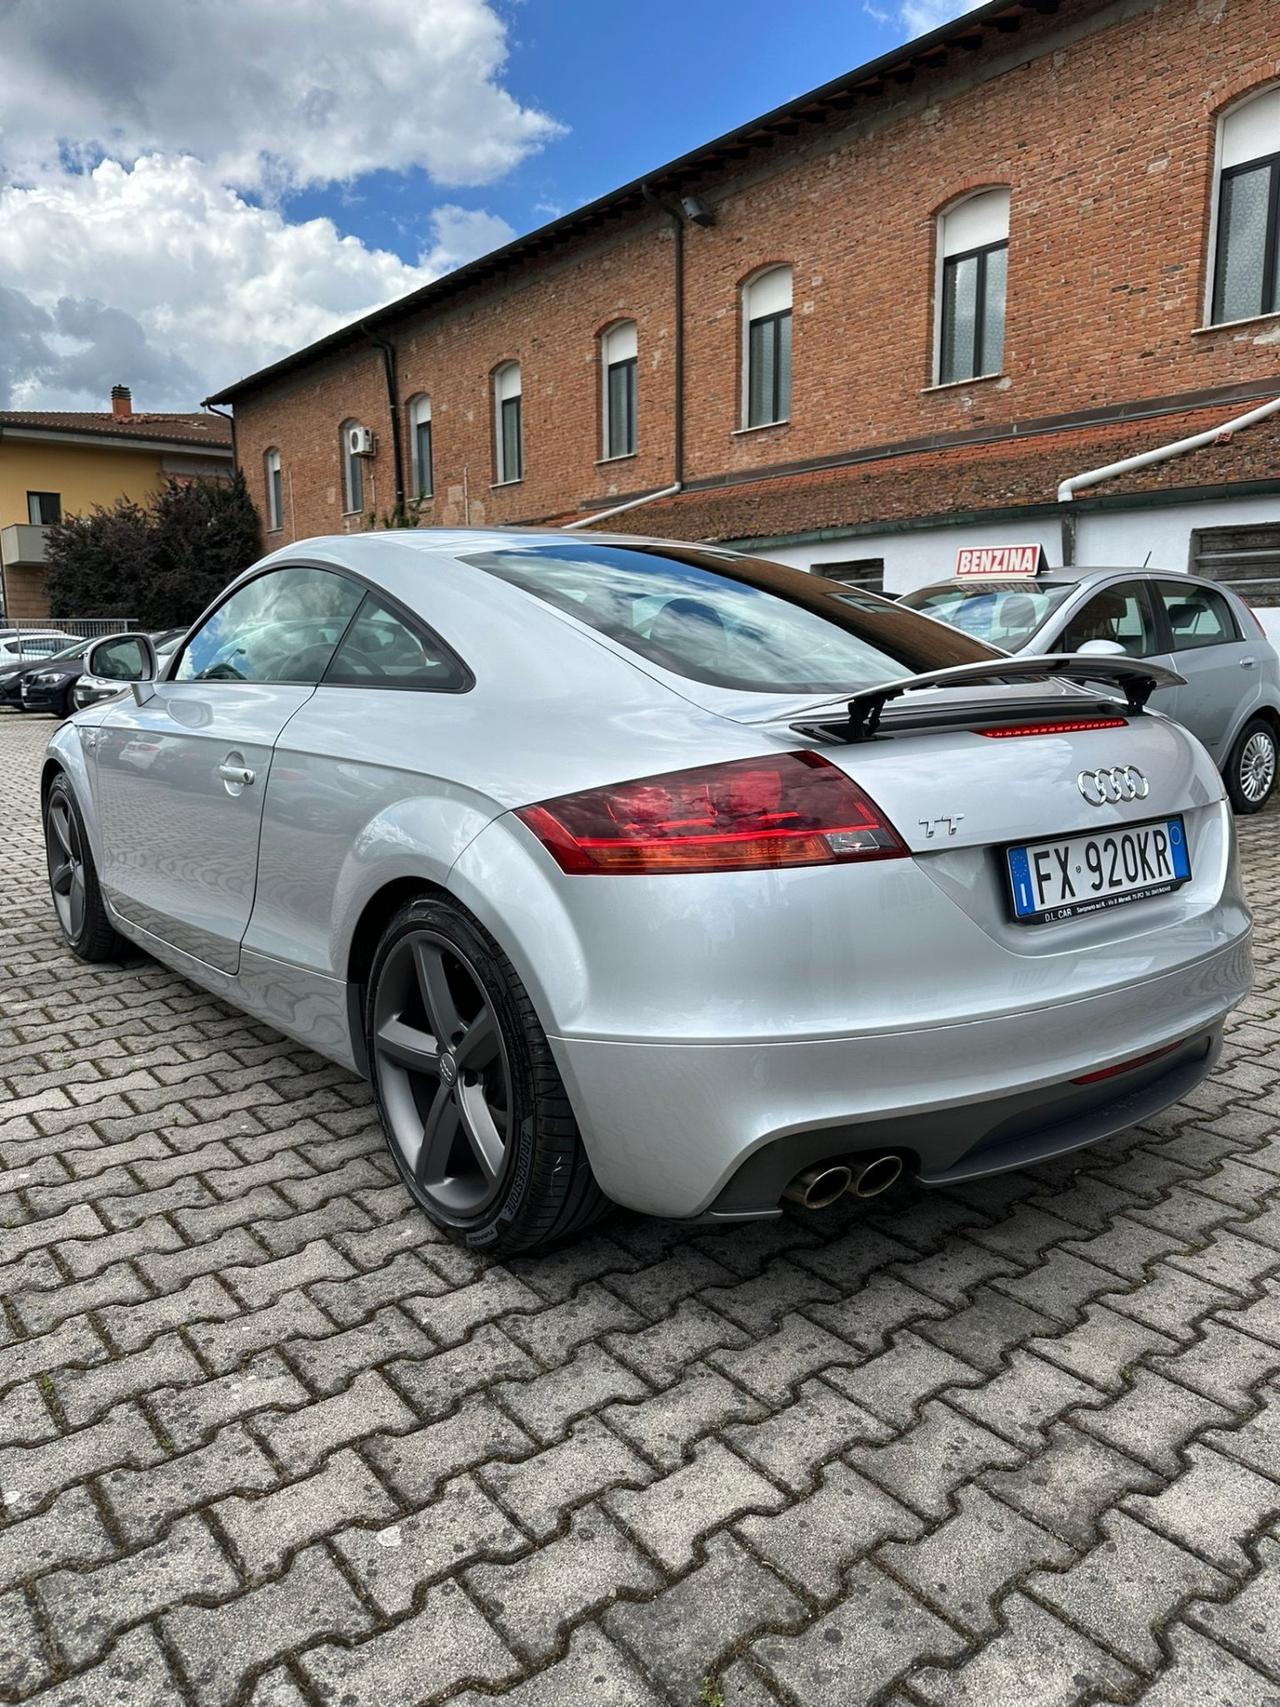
<point x="352" y="474"/>
<point x="765" y="293"/>
<point x="1228" y="154"/>
<point x="419" y="412"/>
<point x="275" y="489"/>
<point x="619" y="343"/>
<point x="508" y="385"/>
<point x="961" y="228"/>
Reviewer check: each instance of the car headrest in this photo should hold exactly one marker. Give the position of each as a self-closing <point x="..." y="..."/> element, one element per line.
<point x="1018" y="613"/>
<point x="690" y="629"/>
<point x="1184" y="615"/>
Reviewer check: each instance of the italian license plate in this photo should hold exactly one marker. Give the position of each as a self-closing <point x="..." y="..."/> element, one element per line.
<point x="1090" y="874"/>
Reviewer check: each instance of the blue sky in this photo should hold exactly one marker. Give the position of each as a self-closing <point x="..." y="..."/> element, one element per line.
<point x="636" y="85"/>
<point x="190" y="192"/>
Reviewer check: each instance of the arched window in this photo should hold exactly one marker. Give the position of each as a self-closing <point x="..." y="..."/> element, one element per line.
<point x="508" y="434"/>
<point x="618" y="388"/>
<point x="973" y="272"/>
<point x="275" y="490"/>
<point x="420" y="471"/>
<point x="1246" y="270"/>
<point x="352" y="471"/>
<point x="766" y="348"/>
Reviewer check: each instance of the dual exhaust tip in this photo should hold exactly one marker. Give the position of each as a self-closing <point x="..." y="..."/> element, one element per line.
<point x="816" y="1187"/>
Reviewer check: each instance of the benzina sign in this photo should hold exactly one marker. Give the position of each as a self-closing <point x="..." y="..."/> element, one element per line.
<point x="994" y="560"/>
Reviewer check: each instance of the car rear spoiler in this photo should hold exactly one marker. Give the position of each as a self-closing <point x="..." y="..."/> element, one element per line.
<point x="1135" y="677"/>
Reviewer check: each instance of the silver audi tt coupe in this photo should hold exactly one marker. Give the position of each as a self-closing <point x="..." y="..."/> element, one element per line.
<point x="658" y="875"/>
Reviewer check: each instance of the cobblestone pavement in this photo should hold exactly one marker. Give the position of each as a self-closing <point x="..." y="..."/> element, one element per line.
<point x="265" y="1439"/>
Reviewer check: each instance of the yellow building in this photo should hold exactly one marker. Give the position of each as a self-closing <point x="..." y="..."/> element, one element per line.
<point x="61" y="464"/>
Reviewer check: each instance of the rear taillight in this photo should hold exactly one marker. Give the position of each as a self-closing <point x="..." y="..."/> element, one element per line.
<point x="1257" y="620"/>
<point x="746" y="815"/>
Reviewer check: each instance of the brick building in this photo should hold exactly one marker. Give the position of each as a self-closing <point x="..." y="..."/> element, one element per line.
<point x="882" y="322"/>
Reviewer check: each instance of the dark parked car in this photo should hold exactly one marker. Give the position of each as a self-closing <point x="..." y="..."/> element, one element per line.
<point x="51" y="685"/>
<point x="71" y="658"/>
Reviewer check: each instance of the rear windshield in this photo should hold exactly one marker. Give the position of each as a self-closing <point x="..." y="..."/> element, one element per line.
<point x="1005" y="615"/>
<point x="736" y="622"/>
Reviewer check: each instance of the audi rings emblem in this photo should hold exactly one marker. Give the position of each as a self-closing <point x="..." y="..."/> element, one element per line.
<point x="1111" y="787"/>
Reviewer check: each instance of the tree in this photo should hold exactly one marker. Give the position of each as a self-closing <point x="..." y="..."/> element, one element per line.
<point x="160" y="563"/>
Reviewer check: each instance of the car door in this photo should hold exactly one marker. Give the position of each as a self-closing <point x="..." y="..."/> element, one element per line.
<point x="1220" y="663"/>
<point x="180" y="777"/>
<point x="1122" y="612"/>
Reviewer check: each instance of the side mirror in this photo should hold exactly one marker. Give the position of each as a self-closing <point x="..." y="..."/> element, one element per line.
<point x="126" y="659"/>
<point x="1101" y="649"/>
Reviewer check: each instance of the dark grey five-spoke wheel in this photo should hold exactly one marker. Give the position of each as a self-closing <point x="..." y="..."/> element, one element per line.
<point x="473" y="1107"/>
<point x="444" y="1072"/>
<point x="77" y="900"/>
<point x="65" y="852"/>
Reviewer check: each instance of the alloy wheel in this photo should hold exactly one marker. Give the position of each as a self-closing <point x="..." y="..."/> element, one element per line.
<point x="1258" y="767"/>
<point x="66" y="866"/>
<point x="443" y="1072"/>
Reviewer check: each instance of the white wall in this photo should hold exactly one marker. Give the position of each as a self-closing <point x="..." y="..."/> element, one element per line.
<point x="1104" y="538"/>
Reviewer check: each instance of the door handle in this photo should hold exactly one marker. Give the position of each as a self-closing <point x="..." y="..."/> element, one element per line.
<point x="1248" y="663"/>
<point x="236" y="773"/>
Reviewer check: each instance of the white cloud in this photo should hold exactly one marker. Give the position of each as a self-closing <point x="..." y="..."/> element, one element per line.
<point x="212" y="285"/>
<point x="921" y="16"/>
<point x="147" y="155"/>
<point x="267" y="92"/>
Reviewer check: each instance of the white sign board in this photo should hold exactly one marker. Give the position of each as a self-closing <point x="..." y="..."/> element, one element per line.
<point x="995" y="561"/>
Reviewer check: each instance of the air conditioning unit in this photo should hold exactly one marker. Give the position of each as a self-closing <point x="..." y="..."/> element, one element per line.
<point x="361" y="441"/>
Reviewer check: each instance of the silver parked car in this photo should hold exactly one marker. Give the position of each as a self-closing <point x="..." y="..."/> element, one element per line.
<point x="1230" y="695"/>
<point x="652" y="873"/>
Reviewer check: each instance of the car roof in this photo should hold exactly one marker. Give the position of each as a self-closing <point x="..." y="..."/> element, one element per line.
<point x="1075" y="575"/>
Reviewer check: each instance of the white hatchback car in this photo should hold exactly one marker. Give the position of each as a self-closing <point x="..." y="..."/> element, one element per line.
<point x="1230" y="692"/>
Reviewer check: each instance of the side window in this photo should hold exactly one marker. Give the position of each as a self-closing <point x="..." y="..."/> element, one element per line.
<point x="281" y="627"/>
<point x="1198" y="616"/>
<point x="380" y="650"/>
<point x="1118" y="613"/>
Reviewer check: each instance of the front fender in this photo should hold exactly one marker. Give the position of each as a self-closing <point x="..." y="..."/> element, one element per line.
<point x="66" y="753"/>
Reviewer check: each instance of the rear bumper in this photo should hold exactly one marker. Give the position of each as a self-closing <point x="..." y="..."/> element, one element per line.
<point x="686" y="1129"/>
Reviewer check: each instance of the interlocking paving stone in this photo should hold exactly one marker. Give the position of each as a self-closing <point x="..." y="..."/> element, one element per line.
<point x="963" y="1566"/>
<point x="220" y="1646"/>
<point x="875" y="1634"/>
<point x="531" y="1599"/>
<point x="85" y="1608"/>
<point x="1125" y="1588"/>
<point x="671" y="1515"/>
<point x="814" y="1541"/>
<point x="1035" y="1661"/>
<point x="462" y="1526"/>
<point x="447" y="1643"/>
<point x="588" y="1462"/>
<point x="592" y="1671"/>
<point x="1211" y="1507"/>
<point x="264" y="1528"/>
<point x="681" y="1635"/>
<point x="1206" y="1675"/>
<point x="267" y="1439"/>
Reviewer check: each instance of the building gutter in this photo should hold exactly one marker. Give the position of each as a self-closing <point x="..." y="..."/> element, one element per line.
<point x="677" y="217"/>
<point x="1068" y="489"/>
<point x="226" y="415"/>
<point x="393" y="408"/>
<point x="618" y="509"/>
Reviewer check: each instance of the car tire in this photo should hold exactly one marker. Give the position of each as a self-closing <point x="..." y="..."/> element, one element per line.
<point x="73" y="879"/>
<point x="1251" y="769"/>
<point x="481" y="1131"/>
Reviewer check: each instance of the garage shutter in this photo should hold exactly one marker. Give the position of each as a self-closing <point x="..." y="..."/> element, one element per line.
<point x="1247" y="559"/>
